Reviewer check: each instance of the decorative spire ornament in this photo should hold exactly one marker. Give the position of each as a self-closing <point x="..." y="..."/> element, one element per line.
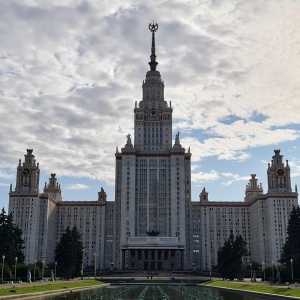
<point x="153" y="27"/>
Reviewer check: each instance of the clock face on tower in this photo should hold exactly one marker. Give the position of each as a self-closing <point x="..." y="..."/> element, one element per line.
<point x="152" y="113"/>
<point x="26" y="171"/>
<point x="280" y="173"/>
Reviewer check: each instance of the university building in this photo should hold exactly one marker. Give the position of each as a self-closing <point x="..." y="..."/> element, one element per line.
<point x="153" y="224"/>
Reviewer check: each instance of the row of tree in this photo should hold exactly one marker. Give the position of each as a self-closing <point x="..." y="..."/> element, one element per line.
<point x="230" y="256"/>
<point x="68" y="252"/>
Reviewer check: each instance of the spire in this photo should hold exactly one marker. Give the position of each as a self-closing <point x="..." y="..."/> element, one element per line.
<point x="177" y="139"/>
<point x="153" y="27"/>
<point x="53" y="188"/>
<point x="102" y="195"/>
<point x="129" y="142"/>
<point x="177" y="146"/>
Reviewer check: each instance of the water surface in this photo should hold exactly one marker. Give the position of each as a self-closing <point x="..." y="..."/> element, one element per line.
<point x="155" y="292"/>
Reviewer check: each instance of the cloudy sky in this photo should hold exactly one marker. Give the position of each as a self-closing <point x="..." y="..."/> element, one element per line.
<point x="71" y="71"/>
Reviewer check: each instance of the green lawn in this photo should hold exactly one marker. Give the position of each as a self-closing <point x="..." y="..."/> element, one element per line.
<point x="23" y="289"/>
<point x="259" y="287"/>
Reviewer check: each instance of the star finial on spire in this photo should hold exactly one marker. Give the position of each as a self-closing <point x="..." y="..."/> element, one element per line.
<point x="153" y="27"/>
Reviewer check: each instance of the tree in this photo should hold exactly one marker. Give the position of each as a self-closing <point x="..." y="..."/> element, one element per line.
<point x="291" y="247"/>
<point x="11" y="242"/>
<point x="69" y="253"/>
<point x="230" y="257"/>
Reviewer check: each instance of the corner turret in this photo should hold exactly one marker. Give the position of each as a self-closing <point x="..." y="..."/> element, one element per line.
<point x="203" y="196"/>
<point x="53" y="188"/>
<point x="252" y="188"/>
<point x="28" y="175"/>
<point x="102" y="195"/>
<point x="279" y="175"/>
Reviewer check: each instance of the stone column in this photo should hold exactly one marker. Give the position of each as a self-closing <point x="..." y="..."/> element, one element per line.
<point x="149" y="259"/>
<point x="126" y="259"/>
<point x="136" y="261"/>
<point x="129" y="259"/>
<point x="164" y="260"/>
<point x="180" y="259"/>
<point x="123" y="259"/>
<point x="169" y="260"/>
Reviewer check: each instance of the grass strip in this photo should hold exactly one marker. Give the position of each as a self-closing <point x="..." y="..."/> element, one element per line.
<point x="261" y="288"/>
<point x="45" y="287"/>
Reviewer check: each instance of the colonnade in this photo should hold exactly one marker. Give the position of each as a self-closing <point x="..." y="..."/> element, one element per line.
<point x="152" y="259"/>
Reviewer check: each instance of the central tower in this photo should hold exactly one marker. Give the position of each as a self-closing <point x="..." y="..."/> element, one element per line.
<point x="153" y="185"/>
<point x="153" y="117"/>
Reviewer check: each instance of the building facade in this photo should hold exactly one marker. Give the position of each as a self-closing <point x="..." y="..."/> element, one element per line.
<point x="153" y="224"/>
<point x="261" y="219"/>
<point x="153" y="183"/>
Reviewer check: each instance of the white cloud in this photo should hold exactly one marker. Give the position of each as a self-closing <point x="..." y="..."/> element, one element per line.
<point x="295" y="168"/>
<point x="214" y="175"/>
<point x="235" y="178"/>
<point x="204" y="177"/>
<point x="77" y="186"/>
<point x="195" y="167"/>
<point x="71" y="72"/>
<point x="5" y="175"/>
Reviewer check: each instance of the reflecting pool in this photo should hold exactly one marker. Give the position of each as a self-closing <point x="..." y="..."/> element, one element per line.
<point x="155" y="292"/>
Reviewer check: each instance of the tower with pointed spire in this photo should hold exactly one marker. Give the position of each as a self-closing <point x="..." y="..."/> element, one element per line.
<point x="279" y="175"/>
<point x="153" y="181"/>
<point x="53" y="188"/>
<point x="153" y="116"/>
<point x="35" y="213"/>
<point x="252" y="188"/>
<point x="28" y="175"/>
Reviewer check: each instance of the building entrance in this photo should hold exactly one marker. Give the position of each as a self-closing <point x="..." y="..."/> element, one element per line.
<point x="152" y="259"/>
